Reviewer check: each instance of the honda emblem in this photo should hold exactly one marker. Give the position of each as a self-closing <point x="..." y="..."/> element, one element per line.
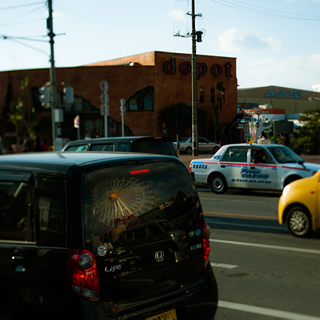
<point x="159" y="256"/>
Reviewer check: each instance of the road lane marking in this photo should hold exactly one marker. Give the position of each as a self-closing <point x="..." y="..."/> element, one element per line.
<point x="223" y="265"/>
<point x="239" y="215"/>
<point x="265" y="311"/>
<point x="232" y="200"/>
<point x="266" y="246"/>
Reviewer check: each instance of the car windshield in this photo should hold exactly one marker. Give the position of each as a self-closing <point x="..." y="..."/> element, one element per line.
<point x="284" y="155"/>
<point x="184" y="139"/>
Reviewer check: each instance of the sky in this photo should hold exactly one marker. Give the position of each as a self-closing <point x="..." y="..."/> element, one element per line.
<point x="275" y="42"/>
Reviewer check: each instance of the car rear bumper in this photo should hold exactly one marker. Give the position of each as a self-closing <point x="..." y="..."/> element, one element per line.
<point x="200" y="296"/>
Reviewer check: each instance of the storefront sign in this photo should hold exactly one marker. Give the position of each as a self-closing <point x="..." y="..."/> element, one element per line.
<point x="283" y="94"/>
<point x="185" y="68"/>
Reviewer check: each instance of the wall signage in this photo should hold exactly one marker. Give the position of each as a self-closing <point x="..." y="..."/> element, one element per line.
<point x="185" y="67"/>
<point x="283" y="94"/>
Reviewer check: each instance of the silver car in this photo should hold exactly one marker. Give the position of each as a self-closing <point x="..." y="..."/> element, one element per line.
<point x="251" y="166"/>
<point x="204" y="145"/>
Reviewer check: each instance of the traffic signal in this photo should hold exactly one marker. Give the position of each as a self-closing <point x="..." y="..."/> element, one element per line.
<point x="44" y="96"/>
<point x="68" y="95"/>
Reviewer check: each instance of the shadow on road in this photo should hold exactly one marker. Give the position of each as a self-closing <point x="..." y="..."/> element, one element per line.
<point x="246" y="224"/>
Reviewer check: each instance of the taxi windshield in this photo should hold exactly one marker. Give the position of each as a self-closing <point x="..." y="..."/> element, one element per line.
<point x="284" y="155"/>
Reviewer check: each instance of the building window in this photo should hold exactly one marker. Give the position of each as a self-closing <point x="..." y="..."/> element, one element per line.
<point x="141" y="101"/>
<point x="211" y="95"/>
<point x="201" y="94"/>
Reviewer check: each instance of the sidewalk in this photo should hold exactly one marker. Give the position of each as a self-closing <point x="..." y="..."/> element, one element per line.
<point x="186" y="159"/>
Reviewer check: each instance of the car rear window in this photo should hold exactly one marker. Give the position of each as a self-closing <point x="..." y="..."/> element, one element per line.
<point x="103" y="147"/>
<point x="118" y="200"/>
<point x="77" y="148"/>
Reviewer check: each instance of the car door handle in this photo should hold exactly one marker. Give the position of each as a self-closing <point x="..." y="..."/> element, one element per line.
<point x="223" y="166"/>
<point x="252" y="167"/>
<point x="18" y="263"/>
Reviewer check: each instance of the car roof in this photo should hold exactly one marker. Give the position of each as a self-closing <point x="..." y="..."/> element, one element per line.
<point x="86" y="141"/>
<point x="61" y="162"/>
<point x="253" y="145"/>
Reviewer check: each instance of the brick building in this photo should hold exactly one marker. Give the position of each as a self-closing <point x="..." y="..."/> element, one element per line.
<point x="149" y="83"/>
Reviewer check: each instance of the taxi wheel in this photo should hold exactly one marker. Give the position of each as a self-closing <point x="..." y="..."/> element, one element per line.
<point x="299" y="222"/>
<point x="189" y="151"/>
<point x="218" y="184"/>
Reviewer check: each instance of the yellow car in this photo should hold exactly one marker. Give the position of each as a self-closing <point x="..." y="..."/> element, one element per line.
<point x="299" y="206"/>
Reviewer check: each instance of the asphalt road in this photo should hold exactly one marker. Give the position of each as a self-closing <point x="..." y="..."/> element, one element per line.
<point x="262" y="271"/>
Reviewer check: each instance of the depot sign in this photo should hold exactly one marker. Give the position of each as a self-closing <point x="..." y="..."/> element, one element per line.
<point x="185" y="68"/>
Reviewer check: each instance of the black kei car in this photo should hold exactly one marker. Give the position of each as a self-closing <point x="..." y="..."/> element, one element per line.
<point x="102" y="236"/>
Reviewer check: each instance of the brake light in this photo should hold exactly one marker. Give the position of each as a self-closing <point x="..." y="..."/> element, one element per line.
<point x="190" y="166"/>
<point x="139" y="171"/>
<point x="206" y="243"/>
<point x="83" y="274"/>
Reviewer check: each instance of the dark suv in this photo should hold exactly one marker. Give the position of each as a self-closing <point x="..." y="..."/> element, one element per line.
<point x="145" y="144"/>
<point x="102" y="236"/>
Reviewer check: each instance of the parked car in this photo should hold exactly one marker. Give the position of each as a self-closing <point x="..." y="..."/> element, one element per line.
<point x="144" y="144"/>
<point x="299" y="206"/>
<point x="251" y="166"/>
<point x="204" y="145"/>
<point x="91" y="235"/>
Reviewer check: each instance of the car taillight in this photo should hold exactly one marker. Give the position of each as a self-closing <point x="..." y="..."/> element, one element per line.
<point x="190" y="165"/>
<point x="83" y="274"/>
<point x="206" y="243"/>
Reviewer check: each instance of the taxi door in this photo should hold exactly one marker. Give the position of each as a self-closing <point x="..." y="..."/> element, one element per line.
<point x="232" y="165"/>
<point x="262" y="171"/>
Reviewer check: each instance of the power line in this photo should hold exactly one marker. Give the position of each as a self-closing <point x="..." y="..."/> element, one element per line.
<point x="23" y="15"/>
<point x="20" y="6"/>
<point x="26" y="45"/>
<point x="265" y="11"/>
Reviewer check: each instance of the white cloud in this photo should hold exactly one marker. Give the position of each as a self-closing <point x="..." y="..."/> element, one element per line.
<point x="233" y="39"/>
<point x="177" y="15"/>
<point x="292" y="72"/>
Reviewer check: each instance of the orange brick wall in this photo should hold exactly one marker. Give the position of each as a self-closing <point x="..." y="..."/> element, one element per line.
<point x="124" y="81"/>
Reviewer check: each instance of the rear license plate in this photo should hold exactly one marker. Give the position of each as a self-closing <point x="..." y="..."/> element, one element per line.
<point x="169" y="315"/>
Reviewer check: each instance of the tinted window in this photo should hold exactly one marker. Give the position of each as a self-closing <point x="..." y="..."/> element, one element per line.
<point x="259" y="155"/>
<point x="158" y="146"/>
<point x="77" y="148"/>
<point x="50" y="195"/>
<point x="122" y="146"/>
<point x="15" y="210"/>
<point x="236" y="154"/>
<point x="284" y="155"/>
<point x="103" y="147"/>
<point x="118" y="200"/>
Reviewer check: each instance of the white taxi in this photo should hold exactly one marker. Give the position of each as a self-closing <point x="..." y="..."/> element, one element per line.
<point x="251" y="166"/>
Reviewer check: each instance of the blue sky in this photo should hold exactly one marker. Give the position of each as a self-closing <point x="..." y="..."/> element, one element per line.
<point x="275" y="42"/>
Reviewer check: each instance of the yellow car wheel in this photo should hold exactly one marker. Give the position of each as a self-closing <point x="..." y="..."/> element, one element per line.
<point x="299" y="222"/>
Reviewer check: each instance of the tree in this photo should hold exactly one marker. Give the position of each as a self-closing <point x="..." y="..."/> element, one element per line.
<point x="309" y="134"/>
<point x="18" y="112"/>
<point x="179" y="116"/>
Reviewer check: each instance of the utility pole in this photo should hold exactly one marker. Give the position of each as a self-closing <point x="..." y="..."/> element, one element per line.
<point x="53" y="84"/>
<point x="195" y="149"/>
<point x="196" y="37"/>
